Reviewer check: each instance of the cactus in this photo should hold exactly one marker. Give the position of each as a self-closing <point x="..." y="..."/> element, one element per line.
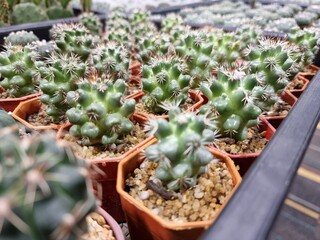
<point x="73" y="38"/>
<point x="197" y="50"/>
<point x="100" y="114"/>
<point x="282" y="25"/>
<point x="91" y="22"/>
<point x="118" y="35"/>
<point x="272" y="62"/>
<point x="139" y="16"/>
<point x="43" y="48"/>
<point x="59" y="78"/>
<point x="165" y="82"/>
<point x="86" y="5"/>
<point x="153" y="45"/>
<point x="45" y="191"/>
<point x="19" y="73"/>
<point x="4" y="12"/>
<point x="170" y="22"/>
<point x="20" y="38"/>
<point x="112" y="59"/>
<point x="57" y="12"/>
<point x="26" y="13"/>
<point x="305" y="18"/>
<point x="180" y="151"/>
<point x="307" y="44"/>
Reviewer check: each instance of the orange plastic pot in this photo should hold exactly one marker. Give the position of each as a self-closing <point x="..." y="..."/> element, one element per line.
<point x="105" y="179"/>
<point x="195" y="95"/>
<point x="116" y="229"/>
<point x="9" y="104"/>
<point x="287" y="97"/>
<point x="143" y="224"/>
<point x="298" y="92"/>
<point x="28" y="107"/>
<point x="244" y="161"/>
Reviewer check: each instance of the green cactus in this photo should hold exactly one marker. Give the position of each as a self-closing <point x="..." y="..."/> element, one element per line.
<point x="284" y="25"/>
<point x="101" y="113"/>
<point x="57" y="12"/>
<point x="26" y="13"/>
<point x="170" y="22"/>
<point x="20" y="38"/>
<point x="74" y="38"/>
<point x="59" y="78"/>
<point x="4" y="12"/>
<point x="43" y="48"/>
<point x="165" y="82"/>
<point x="45" y="190"/>
<point x="139" y="16"/>
<point x="118" y="35"/>
<point x="153" y="45"/>
<point x="19" y="73"/>
<point x="305" y="19"/>
<point x="272" y="62"/>
<point x="91" y="22"/>
<point x="180" y="150"/>
<point x="230" y="103"/>
<point x="307" y="44"/>
<point x="112" y="59"/>
<point x="198" y="51"/>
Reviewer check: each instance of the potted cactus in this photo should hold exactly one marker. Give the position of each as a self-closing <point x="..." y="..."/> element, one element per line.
<point x="19" y="75"/>
<point x="166" y="83"/>
<point x="46" y="192"/>
<point x="103" y="130"/>
<point x="161" y="188"/>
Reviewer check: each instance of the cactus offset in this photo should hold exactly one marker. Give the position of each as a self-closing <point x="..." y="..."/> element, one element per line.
<point x="230" y="103"/>
<point x="101" y="113"/>
<point x="45" y="190"/>
<point x="91" y="22"/>
<point x="165" y="82"/>
<point x="180" y="150"/>
<point x="19" y="73"/>
<point x="112" y="59"/>
<point x="43" y="48"/>
<point x="20" y="38"/>
<point x="59" y="78"/>
<point x="73" y="38"/>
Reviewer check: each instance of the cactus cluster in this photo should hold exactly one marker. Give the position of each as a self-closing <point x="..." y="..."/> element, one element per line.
<point x="43" y="48"/>
<point x="20" y="38"/>
<point x="230" y="103"/>
<point x="73" y="38"/>
<point x="100" y="113"/>
<point x="197" y="51"/>
<point x="112" y="59"/>
<point x="170" y="22"/>
<point x="45" y="190"/>
<point x="91" y="22"/>
<point x="26" y="13"/>
<point x="19" y="73"/>
<point x="59" y="78"/>
<point x="166" y="82"/>
<point x="180" y="150"/>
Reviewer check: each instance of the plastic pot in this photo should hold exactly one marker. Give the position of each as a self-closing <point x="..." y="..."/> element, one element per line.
<point x="105" y="179"/>
<point x="28" y="107"/>
<point x="9" y="104"/>
<point x="143" y="224"/>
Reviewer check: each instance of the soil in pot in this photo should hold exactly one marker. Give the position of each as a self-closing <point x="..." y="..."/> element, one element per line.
<point x="254" y="143"/>
<point x="136" y="136"/>
<point x="281" y="108"/>
<point x="98" y="228"/>
<point x="296" y="84"/>
<point x="198" y="203"/>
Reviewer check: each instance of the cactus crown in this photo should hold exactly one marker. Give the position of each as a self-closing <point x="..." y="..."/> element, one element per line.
<point x="230" y="102"/>
<point x="20" y="38"/>
<point x="45" y="191"/>
<point x="112" y="59"/>
<point x="170" y="22"/>
<point x="91" y="22"/>
<point x="165" y="81"/>
<point x="180" y="150"/>
<point x="60" y="77"/>
<point x="73" y="38"/>
<point x="100" y="113"/>
<point x="19" y="73"/>
<point x="197" y="50"/>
